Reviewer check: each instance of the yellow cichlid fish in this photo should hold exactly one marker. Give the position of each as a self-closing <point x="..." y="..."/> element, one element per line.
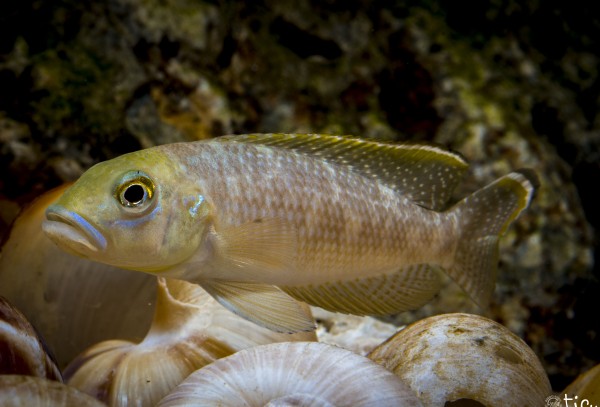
<point x="263" y="220"/>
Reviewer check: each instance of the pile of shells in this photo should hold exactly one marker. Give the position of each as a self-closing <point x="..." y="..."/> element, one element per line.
<point x="128" y="339"/>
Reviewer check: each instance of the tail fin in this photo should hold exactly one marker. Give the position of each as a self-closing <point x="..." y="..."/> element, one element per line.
<point x="483" y="218"/>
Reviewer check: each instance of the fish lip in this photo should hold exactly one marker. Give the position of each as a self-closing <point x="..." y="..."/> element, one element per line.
<point x="63" y="226"/>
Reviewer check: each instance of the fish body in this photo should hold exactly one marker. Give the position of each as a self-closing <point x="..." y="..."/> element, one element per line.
<point x="261" y="221"/>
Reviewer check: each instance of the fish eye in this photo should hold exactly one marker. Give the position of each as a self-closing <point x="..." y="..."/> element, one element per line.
<point x="135" y="190"/>
<point x="134" y="195"/>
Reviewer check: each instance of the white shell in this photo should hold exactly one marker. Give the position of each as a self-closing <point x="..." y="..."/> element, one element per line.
<point x="292" y="374"/>
<point x="461" y="356"/>
<point x="28" y="391"/>
<point x="71" y="301"/>
<point x="181" y="340"/>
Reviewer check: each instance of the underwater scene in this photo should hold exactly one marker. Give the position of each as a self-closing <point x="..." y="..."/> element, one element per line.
<point x="364" y="203"/>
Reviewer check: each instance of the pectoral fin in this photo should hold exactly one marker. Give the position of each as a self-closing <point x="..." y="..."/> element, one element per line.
<point x="403" y="290"/>
<point x="257" y="248"/>
<point x="262" y="304"/>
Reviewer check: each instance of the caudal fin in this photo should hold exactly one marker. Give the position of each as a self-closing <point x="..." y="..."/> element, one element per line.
<point x="484" y="217"/>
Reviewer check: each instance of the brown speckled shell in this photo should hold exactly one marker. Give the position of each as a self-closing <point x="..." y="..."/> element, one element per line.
<point x="461" y="356"/>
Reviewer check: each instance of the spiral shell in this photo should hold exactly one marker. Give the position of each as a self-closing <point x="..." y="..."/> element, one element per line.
<point x="22" y="351"/>
<point x="453" y="357"/>
<point x="180" y="341"/>
<point x="28" y="391"/>
<point x="292" y="374"/>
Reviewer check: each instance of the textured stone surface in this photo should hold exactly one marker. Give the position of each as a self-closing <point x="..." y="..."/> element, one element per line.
<point x="506" y="84"/>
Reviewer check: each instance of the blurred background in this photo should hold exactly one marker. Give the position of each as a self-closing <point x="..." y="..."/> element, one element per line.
<point x="508" y="84"/>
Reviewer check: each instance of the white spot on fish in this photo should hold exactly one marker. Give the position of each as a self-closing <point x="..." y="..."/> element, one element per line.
<point x="196" y="206"/>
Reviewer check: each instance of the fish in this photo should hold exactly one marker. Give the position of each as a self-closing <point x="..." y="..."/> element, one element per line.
<point x="266" y="222"/>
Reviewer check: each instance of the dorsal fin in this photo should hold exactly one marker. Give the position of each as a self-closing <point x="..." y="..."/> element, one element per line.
<point x="423" y="173"/>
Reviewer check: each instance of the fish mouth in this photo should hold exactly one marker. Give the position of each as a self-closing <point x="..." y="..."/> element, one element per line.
<point x="72" y="232"/>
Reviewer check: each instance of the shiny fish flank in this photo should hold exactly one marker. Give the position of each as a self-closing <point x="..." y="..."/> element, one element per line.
<point x="261" y="221"/>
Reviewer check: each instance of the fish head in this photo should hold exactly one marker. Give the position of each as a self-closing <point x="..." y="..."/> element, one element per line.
<point x="136" y="211"/>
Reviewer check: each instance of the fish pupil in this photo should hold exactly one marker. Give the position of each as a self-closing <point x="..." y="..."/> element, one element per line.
<point x="134" y="194"/>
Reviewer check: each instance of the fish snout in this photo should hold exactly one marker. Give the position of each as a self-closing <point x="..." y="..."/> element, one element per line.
<point x="71" y="232"/>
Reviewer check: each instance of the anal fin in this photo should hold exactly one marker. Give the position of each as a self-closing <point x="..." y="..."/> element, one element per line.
<point x="405" y="289"/>
<point x="263" y="304"/>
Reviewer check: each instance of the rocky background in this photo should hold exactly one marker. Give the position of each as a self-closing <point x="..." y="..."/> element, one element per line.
<point x="508" y="84"/>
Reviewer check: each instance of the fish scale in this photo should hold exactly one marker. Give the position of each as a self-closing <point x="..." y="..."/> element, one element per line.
<point x="262" y="221"/>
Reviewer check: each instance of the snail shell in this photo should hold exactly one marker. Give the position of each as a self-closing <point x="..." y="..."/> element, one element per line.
<point x="22" y="351"/>
<point x="186" y="334"/>
<point x="71" y="301"/>
<point x="292" y="374"/>
<point x="464" y="357"/>
<point x="586" y="386"/>
<point x="28" y="391"/>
